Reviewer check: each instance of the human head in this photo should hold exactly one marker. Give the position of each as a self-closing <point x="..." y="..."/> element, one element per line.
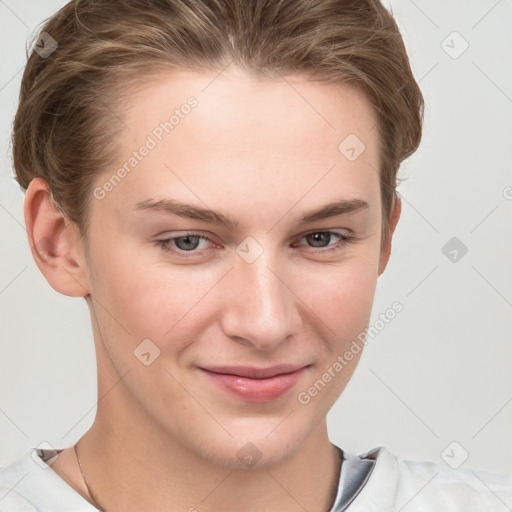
<point x="252" y="316"/>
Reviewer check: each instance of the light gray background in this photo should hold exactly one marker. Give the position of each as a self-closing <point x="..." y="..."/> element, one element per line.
<point x="439" y="372"/>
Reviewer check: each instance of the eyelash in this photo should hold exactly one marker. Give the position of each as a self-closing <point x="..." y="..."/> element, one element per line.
<point x="165" y="243"/>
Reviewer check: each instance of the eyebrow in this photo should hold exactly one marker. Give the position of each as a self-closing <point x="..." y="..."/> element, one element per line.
<point x="188" y="211"/>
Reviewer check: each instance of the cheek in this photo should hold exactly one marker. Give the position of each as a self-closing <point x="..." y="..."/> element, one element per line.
<point x="148" y="298"/>
<point x="341" y="295"/>
<point x="343" y="306"/>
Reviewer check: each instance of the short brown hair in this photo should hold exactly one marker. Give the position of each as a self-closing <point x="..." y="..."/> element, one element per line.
<point x="64" y="129"/>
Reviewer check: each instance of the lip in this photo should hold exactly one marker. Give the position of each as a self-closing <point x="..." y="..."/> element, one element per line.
<point x="255" y="384"/>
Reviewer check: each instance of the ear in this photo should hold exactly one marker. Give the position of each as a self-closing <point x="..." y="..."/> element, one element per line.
<point x="54" y="241"/>
<point x="386" y="246"/>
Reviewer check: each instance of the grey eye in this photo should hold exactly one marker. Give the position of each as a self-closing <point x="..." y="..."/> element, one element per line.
<point x="319" y="239"/>
<point x="187" y="243"/>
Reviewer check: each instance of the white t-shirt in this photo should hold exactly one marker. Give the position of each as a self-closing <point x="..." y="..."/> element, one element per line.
<point x="375" y="481"/>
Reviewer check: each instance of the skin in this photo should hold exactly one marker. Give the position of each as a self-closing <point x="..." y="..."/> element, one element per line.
<point x="165" y="436"/>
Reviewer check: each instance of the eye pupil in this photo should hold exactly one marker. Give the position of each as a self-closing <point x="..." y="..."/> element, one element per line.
<point x="318" y="239"/>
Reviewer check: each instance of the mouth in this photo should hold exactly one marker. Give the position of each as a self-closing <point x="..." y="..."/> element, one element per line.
<point x="255" y="384"/>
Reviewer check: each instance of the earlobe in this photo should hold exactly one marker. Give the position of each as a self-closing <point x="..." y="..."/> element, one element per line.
<point x="53" y="241"/>
<point x="385" y="252"/>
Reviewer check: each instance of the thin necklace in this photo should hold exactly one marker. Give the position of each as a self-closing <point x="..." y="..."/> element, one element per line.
<point x="85" y="479"/>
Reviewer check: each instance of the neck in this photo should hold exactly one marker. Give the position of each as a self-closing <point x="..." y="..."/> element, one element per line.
<point x="131" y="465"/>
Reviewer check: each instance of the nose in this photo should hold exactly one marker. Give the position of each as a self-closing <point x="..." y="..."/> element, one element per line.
<point x="260" y="308"/>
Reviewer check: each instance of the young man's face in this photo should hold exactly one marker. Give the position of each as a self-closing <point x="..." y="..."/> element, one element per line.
<point x="262" y="292"/>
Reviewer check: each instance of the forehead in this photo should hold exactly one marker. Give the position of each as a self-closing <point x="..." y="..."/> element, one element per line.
<point x="261" y="107"/>
<point x="204" y="132"/>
